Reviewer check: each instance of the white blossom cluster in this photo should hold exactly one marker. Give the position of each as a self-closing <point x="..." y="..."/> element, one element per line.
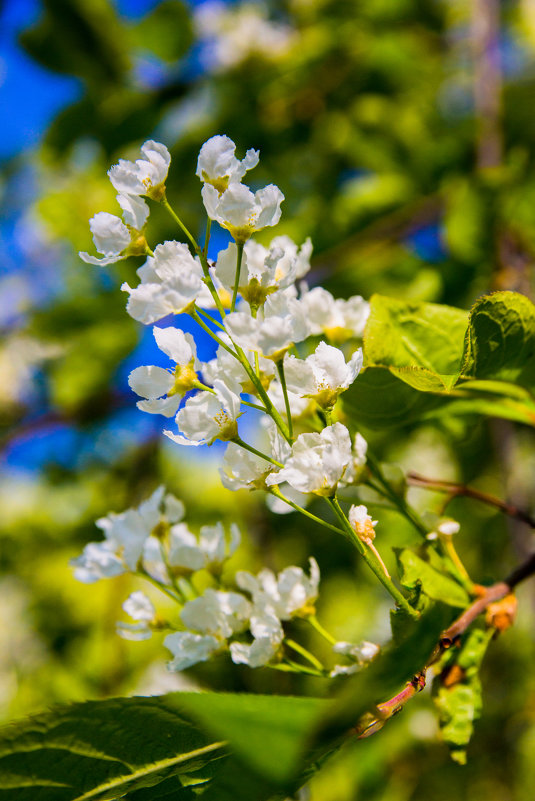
<point x="260" y="328"/>
<point x="247" y="618"/>
<point x="254" y="302"/>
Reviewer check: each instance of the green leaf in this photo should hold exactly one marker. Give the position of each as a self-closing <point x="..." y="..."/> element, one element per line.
<point x="459" y="703"/>
<point x="425" y="336"/>
<point x="266" y="733"/>
<point x="413" y="355"/>
<point x="500" y="341"/>
<point x="101" y="750"/>
<point x="435" y="583"/>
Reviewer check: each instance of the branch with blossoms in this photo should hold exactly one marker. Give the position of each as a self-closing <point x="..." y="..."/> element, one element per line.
<point x="265" y="321"/>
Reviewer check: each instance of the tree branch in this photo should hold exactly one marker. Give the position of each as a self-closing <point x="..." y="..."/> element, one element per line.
<point x="456" y="490"/>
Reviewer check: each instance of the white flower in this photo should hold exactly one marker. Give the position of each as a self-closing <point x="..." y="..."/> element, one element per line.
<point x="152" y="382"/>
<point x="207" y="417"/>
<point x="220" y="614"/>
<point x="209" y="550"/>
<point x="115" y="239"/>
<point x="268" y="634"/>
<point x="227" y="368"/>
<point x="241" y="212"/>
<point x="361" y="654"/>
<point x="338" y="319"/>
<point x="323" y="375"/>
<point x="289" y="594"/>
<point x="354" y="468"/>
<point x="218" y="165"/>
<point x="188" y="649"/>
<point x="317" y="461"/>
<point x="243" y="470"/>
<point x="127" y="536"/>
<point x="362" y="523"/>
<point x="448" y="528"/>
<point x="140" y="608"/>
<point x="300" y="407"/>
<point x="279" y="324"/>
<point x="98" y="560"/>
<point x="146" y="176"/>
<point x="280" y="507"/>
<point x="263" y="271"/>
<point x="171" y="282"/>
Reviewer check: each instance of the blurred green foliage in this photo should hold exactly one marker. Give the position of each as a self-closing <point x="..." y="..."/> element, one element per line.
<point x="369" y="118"/>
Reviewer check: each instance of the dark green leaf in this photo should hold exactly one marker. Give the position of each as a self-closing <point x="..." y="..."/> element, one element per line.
<point x="500" y="341"/>
<point x="100" y="750"/>
<point x="83" y="37"/>
<point x="266" y="733"/>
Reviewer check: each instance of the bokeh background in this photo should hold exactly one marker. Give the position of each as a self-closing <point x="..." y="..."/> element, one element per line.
<point x="402" y="133"/>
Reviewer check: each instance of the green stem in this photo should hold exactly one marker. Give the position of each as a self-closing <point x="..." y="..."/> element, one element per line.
<point x="371" y="560"/>
<point x="388" y="491"/>
<point x="239" y="247"/>
<point x="200" y="253"/>
<point x="270" y="409"/>
<point x="207" y="238"/>
<point x="293" y="667"/>
<point x="198" y="319"/>
<point x="250" y="448"/>
<point x="314" y="622"/>
<point x="211" y="319"/>
<point x="143" y="574"/>
<point x="304" y="653"/>
<point x="282" y="379"/>
<point x="176" y="218"/>
<point x="278" y="494"/>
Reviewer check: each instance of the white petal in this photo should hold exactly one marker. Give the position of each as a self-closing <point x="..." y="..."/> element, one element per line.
<point x="188" y="649"/>
<point x="180" y="347"/>
<point x="135" y="210"/>
<point x="150" y="381"/>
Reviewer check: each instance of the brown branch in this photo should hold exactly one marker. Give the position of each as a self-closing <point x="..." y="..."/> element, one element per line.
<point x="457" y="490"/>
<point x="371" y="723"/>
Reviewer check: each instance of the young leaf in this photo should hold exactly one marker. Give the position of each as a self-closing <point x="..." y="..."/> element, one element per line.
<point x="436" y="584"/>
<point x="457" y="691"/>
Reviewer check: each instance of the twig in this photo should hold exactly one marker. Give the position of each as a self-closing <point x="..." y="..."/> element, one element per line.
<point x="372" y="723"/>
<point x="457" y="490"/>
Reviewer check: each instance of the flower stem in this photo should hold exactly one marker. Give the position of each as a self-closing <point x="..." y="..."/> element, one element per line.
<point x="250" y="448"/>
<point x="304" y="653"/>
<point x="176" y="218"/>
<point x="144" y="574"/>
<point x="314" y="622"/>
<point x="239" y="246"/>
<point x="207" y="238"/>
<point x="371" y="560"/>
<point x="282" y="379"/>
<point x="211" y="319"/>
<point x="198" y="319"/>
<point x="278" y="494"/>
